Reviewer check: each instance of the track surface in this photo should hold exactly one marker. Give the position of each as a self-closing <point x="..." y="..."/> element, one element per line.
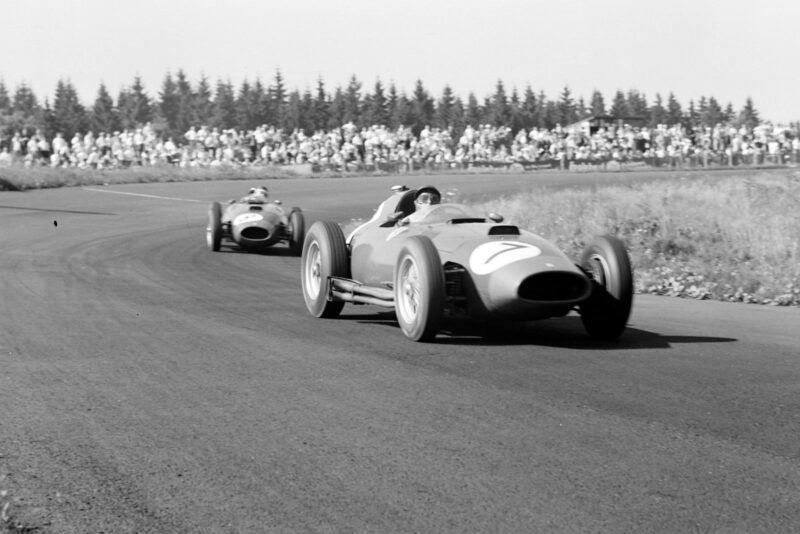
<point x="149" y="385"/>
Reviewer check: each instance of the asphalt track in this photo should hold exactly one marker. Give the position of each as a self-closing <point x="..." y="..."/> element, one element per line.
<point x="150" y="385"/>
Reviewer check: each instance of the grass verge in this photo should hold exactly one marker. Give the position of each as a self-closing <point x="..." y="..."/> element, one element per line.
<point x="732" y="239"/>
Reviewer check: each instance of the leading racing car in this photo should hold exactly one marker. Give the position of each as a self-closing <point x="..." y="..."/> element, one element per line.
<point x="429" y="261"/>
<point x="255" y="223"/>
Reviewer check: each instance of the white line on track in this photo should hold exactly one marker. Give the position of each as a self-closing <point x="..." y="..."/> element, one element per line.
<point x="140" y="195"/>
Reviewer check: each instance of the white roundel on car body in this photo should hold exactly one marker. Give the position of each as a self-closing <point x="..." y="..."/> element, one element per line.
<point x="247" y="218"/>
<point x="489" y="257"/>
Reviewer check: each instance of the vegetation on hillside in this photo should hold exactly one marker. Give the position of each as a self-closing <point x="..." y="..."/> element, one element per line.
<point x="727" y="238"/>
<point x="179" y="104"/>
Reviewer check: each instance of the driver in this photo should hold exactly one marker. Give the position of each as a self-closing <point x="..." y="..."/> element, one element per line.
<point x="425" y="198"/>
<point x="256" y="195"/>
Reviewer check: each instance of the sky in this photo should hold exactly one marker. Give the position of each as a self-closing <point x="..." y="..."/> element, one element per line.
<point x="729" y="50"/>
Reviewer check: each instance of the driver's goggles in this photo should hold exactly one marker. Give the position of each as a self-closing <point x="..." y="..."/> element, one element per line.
<point x="428" y="198"/>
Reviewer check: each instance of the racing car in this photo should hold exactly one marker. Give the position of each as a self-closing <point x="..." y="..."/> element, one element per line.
<point x="255" y="223"/>
<point x="445" y="262"/>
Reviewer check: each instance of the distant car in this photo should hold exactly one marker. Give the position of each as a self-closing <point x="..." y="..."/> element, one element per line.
<point x="450" y="263"/>
<point x="255" y="223"/>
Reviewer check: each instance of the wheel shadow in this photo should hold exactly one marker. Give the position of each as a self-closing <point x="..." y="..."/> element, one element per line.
<point x="277" y="251"/>
<point x="563" y="332"/>
<point x="51" y="210"/>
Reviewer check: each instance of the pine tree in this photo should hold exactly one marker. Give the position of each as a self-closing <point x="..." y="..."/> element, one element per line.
<point x="168" y="106"/>
<point x="552" y="115"/>
<point x="529" y="109"/>
<point x="458" y="123"/>
<point x="637" y="104"/>
<point x="597" y="105"/>
<point x="336" y="110"/>
<point x="498" y="112"/>
<point x="749" y="116"/>
<point x="352" y="102"/>
<point x="69" y="115"/>
<point x="307" y="112"/>
<point x="185" y="102"/>
<point x="375" y="108"/>
<point x="5" y="100"/>
<point x="473" y="114"/>
<point x="566" y="108"/>
<point x="321" y="105"/>
<point x="714" y="114"/>
<point x="445" y="109"/>
<point x="422" y="109"/>
<point x="541" y="110"/>
<point x="581" y="109"/>
<point x="674" y="111"/>
<point x="24" y="101"/>
<point x="104" y="118"/>
<point x="277" y="98"/>
<point x="692" y="118"/>
<point x="246" y="108"/>
<point x="199" y="103"/>
<point x="392" y="103"/>
<point x="143" y="112"/>
<point x="292" y="120"/>
<point x="619" y="108"/>
<point x="223" y="109"/>
<point x="729" y="114"/>
<point x="658" y="115"/>
<point x="25" y="115"/>
<point x="261" y="104"/>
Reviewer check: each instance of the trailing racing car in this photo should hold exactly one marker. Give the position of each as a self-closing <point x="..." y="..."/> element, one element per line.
<point x="255" y="223"/>
<point x="428" y="261"/>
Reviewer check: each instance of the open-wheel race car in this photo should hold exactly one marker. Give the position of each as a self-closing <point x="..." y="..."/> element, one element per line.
<point x="434" y="261"/>
<point x="255" y="223"/>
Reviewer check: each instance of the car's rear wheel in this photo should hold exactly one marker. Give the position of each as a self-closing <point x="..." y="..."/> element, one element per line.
<point x="324" y="255"/>
<point x="297" y="225"/>
<point x="605" y="314"/>
<point x="214" y="228"/>
<point x="419" y="289"/>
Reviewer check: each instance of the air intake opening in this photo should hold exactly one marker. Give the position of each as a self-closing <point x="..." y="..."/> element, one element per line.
<point x="554" y="286"/>
<point x="506" y="229"/>
<point x="255" y="233"/>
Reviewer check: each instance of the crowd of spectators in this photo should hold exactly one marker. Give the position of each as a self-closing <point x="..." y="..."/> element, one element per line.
<point x="352" y="148"/>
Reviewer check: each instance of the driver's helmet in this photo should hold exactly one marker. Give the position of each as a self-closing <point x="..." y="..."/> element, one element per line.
<point x="427" y="196"/>
<point x="257" y="194"/>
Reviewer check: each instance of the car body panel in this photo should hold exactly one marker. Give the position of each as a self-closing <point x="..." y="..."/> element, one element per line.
<point x="254" y="225"/>
<point x="493" y="269"/>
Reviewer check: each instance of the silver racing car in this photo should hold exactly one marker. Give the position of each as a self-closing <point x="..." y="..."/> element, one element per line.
<point x="255" y="223"/>
<point x="428" y="260"/>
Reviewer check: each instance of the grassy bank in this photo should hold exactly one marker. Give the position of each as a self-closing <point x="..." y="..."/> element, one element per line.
<point x="20" y="178"/>
<point x="735" y="239"/>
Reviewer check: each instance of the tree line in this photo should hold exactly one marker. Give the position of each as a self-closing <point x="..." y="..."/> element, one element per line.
<point x="181" y="104"/>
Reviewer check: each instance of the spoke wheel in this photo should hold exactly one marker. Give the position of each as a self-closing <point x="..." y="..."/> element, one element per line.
<point x="324" y="254"/>
<point x="214" y="228"/>
<point x="605" y="314"/>
<point x="419" y="289"/>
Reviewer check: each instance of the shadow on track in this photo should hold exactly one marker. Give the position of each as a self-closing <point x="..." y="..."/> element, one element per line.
<point x="563" y="332"/>
<point x="79" y="212"/>
<point x="279" y="251"/>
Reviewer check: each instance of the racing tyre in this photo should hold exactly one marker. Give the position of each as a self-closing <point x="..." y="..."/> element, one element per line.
<point x="606" y="312"/>
<point x="298" y="228"/>
<point x="214" y="228"/>
<point x="324" y="255"/>
<point x="419" y="289"/>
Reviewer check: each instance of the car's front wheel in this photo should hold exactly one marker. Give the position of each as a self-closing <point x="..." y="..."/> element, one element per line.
<point x="214" y="228"/>
<point x="605" y="314"/>
<point x="324" y="255"/>
<point x="419" y="289"/>
<point x="297" y="224"/>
